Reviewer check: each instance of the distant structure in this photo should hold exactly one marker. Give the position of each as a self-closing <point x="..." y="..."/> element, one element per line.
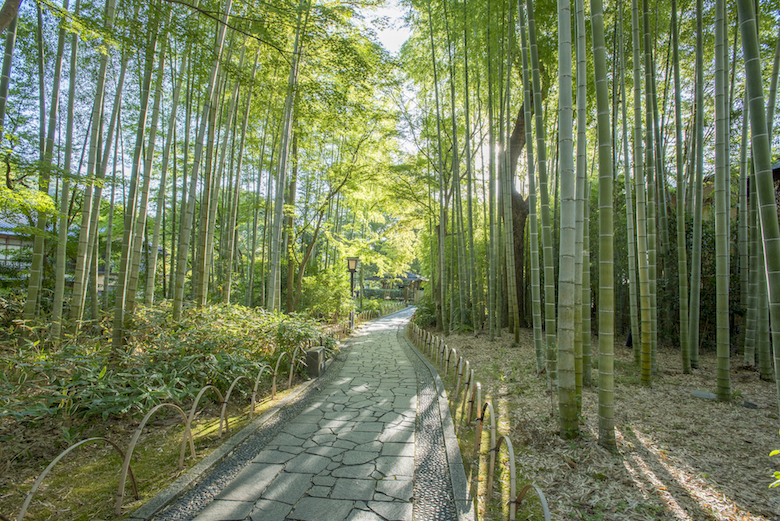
<point x="407" y="286"/>
<point x="15" y="255"/>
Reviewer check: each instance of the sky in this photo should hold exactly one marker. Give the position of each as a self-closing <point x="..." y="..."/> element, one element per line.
<point x="394" y="34"/>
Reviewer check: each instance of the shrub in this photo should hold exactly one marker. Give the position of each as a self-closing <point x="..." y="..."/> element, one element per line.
<point x="166" y="361"/>
<point x="374" y="305"/>
<point x="426" y="311"/>
<point x="326" y="295"/>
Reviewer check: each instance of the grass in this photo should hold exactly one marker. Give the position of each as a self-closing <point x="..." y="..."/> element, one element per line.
<point x="83" y="486"/>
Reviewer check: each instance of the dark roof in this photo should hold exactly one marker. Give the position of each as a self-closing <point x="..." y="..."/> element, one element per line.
<point x="407" y="276"/>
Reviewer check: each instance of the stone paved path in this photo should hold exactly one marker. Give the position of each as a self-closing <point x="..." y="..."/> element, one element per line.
<point x="351" y="453"/>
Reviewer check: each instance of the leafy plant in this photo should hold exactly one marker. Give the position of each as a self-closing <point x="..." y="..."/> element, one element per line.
<point x="166" y="361"/>
<point x="775" y="474"/>
<point x="426" y="312"/>
<point x="326" y="295"/>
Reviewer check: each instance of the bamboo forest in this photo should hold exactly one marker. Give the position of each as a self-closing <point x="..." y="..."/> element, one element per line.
<point x="577" y="202"/>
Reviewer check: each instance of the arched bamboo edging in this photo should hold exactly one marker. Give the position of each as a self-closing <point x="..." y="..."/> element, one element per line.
<point x="472" y="394"/>
<point x="512" y="481"/>
<point x="254" y="389"/>
<point x="131" y="447"/>
<point x="450" y="352"/>
<point x="542" y="499"/>
<point x="197" y="400"/>
<point x="478" y="439"/>
<point x="459" y="371"/>
<point x="467" y="391"/>
<point x="227" y="399"/>
<point x="56" y="460"/>
<point x="276" y="372"/>
<point x="293" y="359"/>
<point x="476" y="398"/>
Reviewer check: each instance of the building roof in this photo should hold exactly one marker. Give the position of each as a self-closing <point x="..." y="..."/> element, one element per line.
<point x="407" y="276"/>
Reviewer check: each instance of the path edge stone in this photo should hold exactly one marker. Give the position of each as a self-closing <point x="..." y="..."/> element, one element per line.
<point x="186" y="480"/>
<point x="460" y="489"/>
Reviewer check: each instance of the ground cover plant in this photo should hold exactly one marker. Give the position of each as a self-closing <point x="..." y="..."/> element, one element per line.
<point x="52" y="397"/>
<point x="678" y="456"/>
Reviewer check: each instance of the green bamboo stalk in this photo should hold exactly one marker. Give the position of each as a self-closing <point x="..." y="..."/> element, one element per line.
<point x="770" y="229"/>
<point x="581" y="365"/>
<point x="722" y="241"/>
<point x="567" y="393"/>
<point x="533" y="224"/>
<point x="547" y="246"/>
<point x="682" y="248"/>
<point x="606" y="237"/>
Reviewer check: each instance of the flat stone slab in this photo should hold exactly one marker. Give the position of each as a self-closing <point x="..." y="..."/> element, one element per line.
<point x="392" y="511"/>
<point x="250" y="482"/>
<point x="355" y="489"/>
<point x="318" y="509"/>
<point x="401" y="489"/>
<point x="398" y="449"/>
<point x="267" y="510"/>
<point x="354" y="471"/>
<point x="273" y="456"/>
<point x="307" y="463"/>
<point x="358" y="457"/>
<point x="288" y="487"/>
<point x="364" y="515"/>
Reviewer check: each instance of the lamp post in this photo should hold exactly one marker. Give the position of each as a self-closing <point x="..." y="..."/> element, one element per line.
<point x="352" y="263"/>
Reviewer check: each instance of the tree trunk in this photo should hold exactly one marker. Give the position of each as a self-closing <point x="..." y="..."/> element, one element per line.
<point x="130" y="205"/>
<point x="62" y="242"/>
<point x="567" y="393"/>
<point x="274" y="297"/>
<point x="232" y="235"/>
<point x="606" y="237"/>
<point x="533" y="224"/>
<point x="547" y="246"/>
<point x="186" y="220"/>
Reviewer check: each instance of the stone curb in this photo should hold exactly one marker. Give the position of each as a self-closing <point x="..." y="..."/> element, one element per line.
<point x="460" y="488"/>
<point x="186" y="480"/>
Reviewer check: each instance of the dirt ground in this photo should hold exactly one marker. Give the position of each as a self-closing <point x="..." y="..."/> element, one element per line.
<point x="678" y="456"/>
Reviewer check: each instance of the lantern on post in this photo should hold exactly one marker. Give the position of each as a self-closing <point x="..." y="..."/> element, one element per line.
<point x="352" y="263"/>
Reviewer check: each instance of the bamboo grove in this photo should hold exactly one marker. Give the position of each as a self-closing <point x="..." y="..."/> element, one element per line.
<point x="576" y="168"/>
<point x="614" y="168"/>
<point x="195" y="153"/>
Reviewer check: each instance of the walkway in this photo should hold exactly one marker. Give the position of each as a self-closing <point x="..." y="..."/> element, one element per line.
<point x="376" y="443"/>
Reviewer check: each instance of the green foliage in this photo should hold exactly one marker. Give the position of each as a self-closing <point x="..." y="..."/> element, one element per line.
<point x="326" y="294"/>
<point x="776" y="474"/>
<point x="23" y="201"/>
<point x="371" y="304"/>
<point x="397" y="294"/>
<point x="167" y="362"/>
<point x="426" y="311"/>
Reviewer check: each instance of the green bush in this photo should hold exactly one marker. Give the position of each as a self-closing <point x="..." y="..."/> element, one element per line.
<point x="326" y="295"/>
<point x="392" y="294"/>
<point x="166" y="361"/>
<point x="426" y="311"/>
<point x="374" y="305"/>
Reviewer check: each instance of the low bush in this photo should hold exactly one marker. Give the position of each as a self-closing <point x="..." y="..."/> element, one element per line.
<point x="326" y="295"/>
<point x="166" y="361"/>
<point x="426" y="312"/>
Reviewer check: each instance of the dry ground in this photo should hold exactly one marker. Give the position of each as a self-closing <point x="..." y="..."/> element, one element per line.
<point x="678" y="456"/>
